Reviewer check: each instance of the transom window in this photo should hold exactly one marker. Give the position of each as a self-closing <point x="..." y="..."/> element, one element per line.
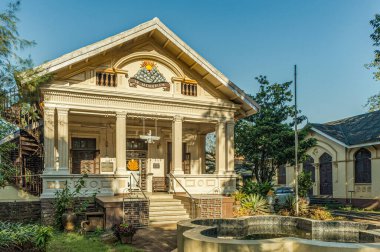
<point x="363" y="166"/>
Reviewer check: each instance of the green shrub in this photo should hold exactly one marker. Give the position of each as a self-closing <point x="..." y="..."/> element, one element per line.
<point x="320" y="214"/>
<point x="290" y="206"/>
<point x="239" y="196"/>
<point x="305" y="183"/>
<point x="71" y="198"/>
<point x="255" y="204"/>
<point x="251" y="187"/>
<point x="20" y="237"/>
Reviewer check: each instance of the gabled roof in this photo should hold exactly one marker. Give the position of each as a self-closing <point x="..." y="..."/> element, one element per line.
<point x="227" y="87"/>
<point x="353" y="131"/>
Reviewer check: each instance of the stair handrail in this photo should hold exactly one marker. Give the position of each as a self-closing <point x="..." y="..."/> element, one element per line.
<point x="193" y="202"/>
<point x="138" y="186"/>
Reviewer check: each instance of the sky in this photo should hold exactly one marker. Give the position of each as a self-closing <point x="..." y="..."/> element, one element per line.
<point x="327" y="39"/>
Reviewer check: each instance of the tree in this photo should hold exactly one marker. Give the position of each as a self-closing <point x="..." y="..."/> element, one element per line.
<point x="266" y="139"/>
<point x="210" y="153"/>
<point x="305" y="183"/>
<point x="373" y="102"/>
<point x="17" y="74"/>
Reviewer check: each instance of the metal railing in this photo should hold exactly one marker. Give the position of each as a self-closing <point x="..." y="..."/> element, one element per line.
<point x="29" y="183"/>
<point x="193" y="202"/>
<point x="131" y="196"/>
<point x="138" y="186"/>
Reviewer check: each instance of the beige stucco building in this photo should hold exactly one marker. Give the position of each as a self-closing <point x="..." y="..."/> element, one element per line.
<point x="345" y="162"/>
<point x="140" y="102"/>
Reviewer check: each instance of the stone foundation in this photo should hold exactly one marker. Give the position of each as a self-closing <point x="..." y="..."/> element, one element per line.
<point x="20" y="211"/>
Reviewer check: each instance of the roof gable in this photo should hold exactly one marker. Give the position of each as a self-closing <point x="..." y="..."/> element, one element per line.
<point x="185" y="54"/>
<point x="357" y="130"/>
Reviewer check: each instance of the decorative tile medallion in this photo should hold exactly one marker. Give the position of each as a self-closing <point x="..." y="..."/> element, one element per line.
<point x="148" y="76"/>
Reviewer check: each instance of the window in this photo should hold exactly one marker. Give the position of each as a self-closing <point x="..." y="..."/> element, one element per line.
<point x="84" y="156"/>
<point x="281" y="175"/>
<point x="363" y="166"/>
<point x="308" y="166"/>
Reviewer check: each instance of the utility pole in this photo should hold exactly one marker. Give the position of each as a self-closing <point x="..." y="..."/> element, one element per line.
<point x="296" y="137"/>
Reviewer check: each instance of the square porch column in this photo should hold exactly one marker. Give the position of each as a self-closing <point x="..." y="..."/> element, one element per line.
<point x="49" y="153"/>
<point x="177" y="145"/>
<point x="63" y="140"/>
<point x="220" y="147"/>
<point x="202" y="153"/>
<point x="230" y="147"/>
<point x="121" y="143"/>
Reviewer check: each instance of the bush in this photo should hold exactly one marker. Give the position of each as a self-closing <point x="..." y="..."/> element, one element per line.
<point x="239" y="196"/>
<point x="19" y="237"/>
<point x="262" y="189"/>
<point x="320" y="214"/>
<point x="70" y="199"/>
<point x="305" y="183"/>
<point x="255" y="204"/>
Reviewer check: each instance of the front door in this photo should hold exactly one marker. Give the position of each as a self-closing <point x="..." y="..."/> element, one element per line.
<point x="325" y="173"/>
<point x="137" y="151"/>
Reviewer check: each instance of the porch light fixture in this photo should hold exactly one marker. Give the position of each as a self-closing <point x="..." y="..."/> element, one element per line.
<point x="148" y="137"/>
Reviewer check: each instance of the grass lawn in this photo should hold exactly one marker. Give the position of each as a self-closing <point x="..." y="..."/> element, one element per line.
<point x="73" y="242"/>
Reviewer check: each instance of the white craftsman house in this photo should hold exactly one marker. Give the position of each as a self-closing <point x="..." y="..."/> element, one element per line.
<point x="133" y="110"/>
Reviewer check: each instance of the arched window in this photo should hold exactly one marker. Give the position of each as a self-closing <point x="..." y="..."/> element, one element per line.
<point x="363" y="166"/>
<point x="308" y="166"/>
<point x="281" y="175"/>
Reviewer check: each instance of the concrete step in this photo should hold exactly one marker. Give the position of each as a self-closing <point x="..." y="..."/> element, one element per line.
<point x="161" y="196"/>
<point x="179" y="212"/>
<point x="160" y="223"/>
<point x="169" y="218"/>
<point x="165" y="203"/>
<point x="165" y="209"/>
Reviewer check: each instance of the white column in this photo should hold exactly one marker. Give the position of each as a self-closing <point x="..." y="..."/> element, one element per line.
<point x="230" y="148"/>
<point x="220" y="147"/>
<point x="202" y="153"/>
<point x="177" y="145"/>
<point x="121" y="143"/>
<point x="49" y="153"/>
<point x="63" y="140"/>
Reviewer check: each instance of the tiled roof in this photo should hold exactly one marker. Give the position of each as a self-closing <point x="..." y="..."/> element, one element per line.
<point x="360" y="129"/>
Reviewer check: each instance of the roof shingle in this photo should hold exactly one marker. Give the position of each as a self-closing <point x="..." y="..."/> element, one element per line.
<point x="360" y="129"/>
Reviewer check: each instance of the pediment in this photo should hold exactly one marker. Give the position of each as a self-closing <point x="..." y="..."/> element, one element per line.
<point x="169" y="60"/>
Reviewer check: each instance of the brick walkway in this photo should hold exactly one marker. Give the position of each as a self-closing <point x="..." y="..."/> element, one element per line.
<point x="156" y="238"/>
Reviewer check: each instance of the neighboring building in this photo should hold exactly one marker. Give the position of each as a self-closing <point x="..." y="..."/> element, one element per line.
<point x="140" y="102"/>
<point x="345" y="161"/>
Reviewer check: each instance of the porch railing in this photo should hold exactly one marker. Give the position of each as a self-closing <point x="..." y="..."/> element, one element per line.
<point x="29" y="183"/>
<point x="138" y="186"/>
<point x="193" y="201"/>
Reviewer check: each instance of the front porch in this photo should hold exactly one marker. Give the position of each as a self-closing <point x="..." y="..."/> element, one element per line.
<point x="121" y="152"/>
